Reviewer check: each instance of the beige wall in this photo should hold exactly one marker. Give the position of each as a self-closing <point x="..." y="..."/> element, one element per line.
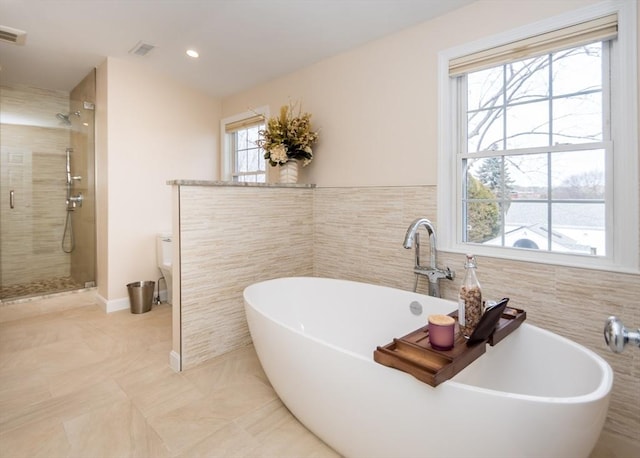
<point x="150" y="129"/>
<point x="376" y="108"/>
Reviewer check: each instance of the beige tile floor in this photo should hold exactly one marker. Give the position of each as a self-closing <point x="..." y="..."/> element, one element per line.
<point x="76" y="382"/>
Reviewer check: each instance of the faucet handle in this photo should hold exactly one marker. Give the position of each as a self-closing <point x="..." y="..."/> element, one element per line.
<point x="617" y="336"/>
<point x="450" y="274"/>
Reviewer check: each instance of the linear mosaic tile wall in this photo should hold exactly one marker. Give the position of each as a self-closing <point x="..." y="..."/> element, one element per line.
<point x="32" y="148"/>
<point x="359" y="232"/>
<point x="358" y="235"/>
<point x="231" y="237"/>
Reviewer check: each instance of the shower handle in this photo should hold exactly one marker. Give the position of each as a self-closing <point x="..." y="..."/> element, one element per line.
<point x="12" y="199"/>
<point x="75" y="201"/>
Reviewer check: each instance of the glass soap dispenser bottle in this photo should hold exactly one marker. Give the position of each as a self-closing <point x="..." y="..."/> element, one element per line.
<point x="469" y="299"/>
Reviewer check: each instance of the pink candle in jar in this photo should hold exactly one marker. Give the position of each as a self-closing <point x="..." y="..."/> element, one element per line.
<point x="441" y="331"/>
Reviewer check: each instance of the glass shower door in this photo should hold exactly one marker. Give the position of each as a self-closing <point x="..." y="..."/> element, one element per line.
<point x="37" y="126"/>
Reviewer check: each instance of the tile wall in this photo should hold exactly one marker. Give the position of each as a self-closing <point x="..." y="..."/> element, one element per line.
<point x="32" y="155"/>
<point x="231" y="237"/>
<point x="358" y="235"/>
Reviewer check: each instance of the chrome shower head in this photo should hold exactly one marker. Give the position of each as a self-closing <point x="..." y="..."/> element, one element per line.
<point x="65" y="117"/>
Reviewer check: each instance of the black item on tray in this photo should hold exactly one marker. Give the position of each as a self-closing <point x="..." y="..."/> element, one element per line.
<point x="488" y="322"/>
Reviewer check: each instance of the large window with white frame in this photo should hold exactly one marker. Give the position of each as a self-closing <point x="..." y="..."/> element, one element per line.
<point x="243" y="158"/>
<point x="534" y="152"/>
<point x="539" y="143"/>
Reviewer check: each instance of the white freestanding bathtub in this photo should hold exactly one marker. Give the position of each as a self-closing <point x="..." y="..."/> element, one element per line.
<point x="535" y="394"/>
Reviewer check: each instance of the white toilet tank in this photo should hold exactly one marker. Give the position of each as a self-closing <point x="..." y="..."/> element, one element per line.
<point x="164" y="249"/>
<point x="164" y="256"/>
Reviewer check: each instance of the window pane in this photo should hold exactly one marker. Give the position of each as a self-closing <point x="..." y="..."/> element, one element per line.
<point x="483" y="221"/>
<point x="493" y="175"/>
<point x="526" y="225"/>
<point x="252" y="159"/>
<point x="253" y="136"/>
<point x="579" y="228"/>
<point x="577" y="70"/>
<point x="484" y="89"/>
<point x="485" y="131"/>
<point x="527" y="80"/>
<point x="241" y="135"/>
<point x="528" y="125"/>
<point x="577" y="119"/>
<point x="578" y="175"/>
<point x="528" y="175"/>
<point x="241" y="165"/>
<point x="248" y="158"/>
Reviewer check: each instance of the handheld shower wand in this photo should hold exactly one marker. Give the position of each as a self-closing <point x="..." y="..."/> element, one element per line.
<point x="68" y="151"/>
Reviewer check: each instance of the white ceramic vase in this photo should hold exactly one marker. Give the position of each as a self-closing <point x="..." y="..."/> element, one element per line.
<point x="289" y="172"/>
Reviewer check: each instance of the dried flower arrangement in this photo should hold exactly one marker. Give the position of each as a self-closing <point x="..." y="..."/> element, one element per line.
<point x="288" y="136"/>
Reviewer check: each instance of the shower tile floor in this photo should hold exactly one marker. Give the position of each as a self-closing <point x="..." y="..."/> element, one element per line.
<point x="77" y="382"/>
<point x="38" y="288"/>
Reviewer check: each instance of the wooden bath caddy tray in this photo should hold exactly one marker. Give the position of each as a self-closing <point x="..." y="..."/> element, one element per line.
<point x="413" y="353"/>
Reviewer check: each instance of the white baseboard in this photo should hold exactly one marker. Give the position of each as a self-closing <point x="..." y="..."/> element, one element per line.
<point x="113" y="305"/>
<point x="174" y="361"/>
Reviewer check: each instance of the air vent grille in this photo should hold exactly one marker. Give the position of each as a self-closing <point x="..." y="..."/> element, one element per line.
<point x="141" y="49"/>
<point x="14" y="36"/>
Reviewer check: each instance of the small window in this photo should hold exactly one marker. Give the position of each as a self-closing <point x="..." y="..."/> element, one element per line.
<point x="243" y="158"/>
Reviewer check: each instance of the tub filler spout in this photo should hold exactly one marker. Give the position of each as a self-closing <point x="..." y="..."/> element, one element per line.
<point x="433" y="273"/>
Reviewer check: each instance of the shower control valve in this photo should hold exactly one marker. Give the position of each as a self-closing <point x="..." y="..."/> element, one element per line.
<point x="75" y="201"/>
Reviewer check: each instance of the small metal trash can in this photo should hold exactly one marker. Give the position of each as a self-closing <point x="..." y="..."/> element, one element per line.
<point x="141" y="295"/>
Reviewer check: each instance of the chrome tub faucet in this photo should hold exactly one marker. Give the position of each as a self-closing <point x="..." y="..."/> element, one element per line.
<point x="433" y="273"/>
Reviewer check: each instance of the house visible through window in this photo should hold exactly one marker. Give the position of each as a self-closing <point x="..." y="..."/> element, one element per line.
<point x="245" y="159"/>
<point x="535" y="131"/>
<point x="535" y="151"/>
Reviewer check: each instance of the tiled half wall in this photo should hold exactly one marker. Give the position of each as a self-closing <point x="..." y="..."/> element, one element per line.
<point x="231" y="237"/>
<point x="243" y="235"/>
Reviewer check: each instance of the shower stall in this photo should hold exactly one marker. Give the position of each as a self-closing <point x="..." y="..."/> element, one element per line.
<point x="47" y="190"/>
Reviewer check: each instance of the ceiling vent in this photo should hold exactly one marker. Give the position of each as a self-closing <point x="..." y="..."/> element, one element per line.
<point x="14" y="36"/>
<point x="141" y="49"/>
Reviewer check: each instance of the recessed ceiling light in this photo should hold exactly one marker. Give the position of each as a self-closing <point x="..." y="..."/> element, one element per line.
<point x="193" y="53"/>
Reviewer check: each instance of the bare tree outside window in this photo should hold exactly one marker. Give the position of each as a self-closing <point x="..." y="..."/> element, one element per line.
<point x="535" y="152"/>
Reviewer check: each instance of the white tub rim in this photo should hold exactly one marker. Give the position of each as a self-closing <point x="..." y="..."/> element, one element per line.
<point x="602" y="390"/>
